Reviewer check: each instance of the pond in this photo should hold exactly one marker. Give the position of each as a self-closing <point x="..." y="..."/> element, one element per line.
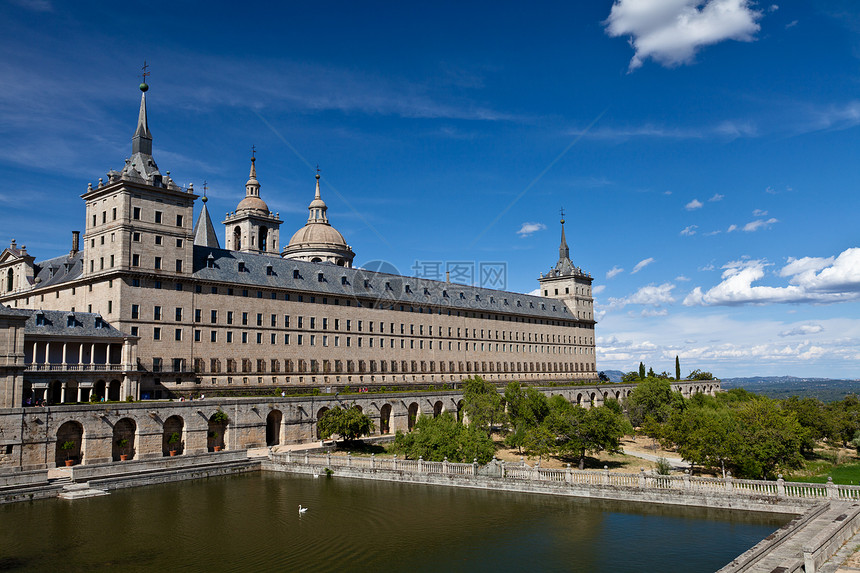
<point x="251" y="523"/>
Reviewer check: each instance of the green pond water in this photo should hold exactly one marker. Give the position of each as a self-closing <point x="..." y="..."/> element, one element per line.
<point x="251" y="523"/>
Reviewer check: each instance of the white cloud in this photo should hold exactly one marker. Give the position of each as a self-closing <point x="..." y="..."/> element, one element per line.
<point x="759" y="213"/>
<point x="529" y="228"/>
<point x="648" y="312"/>
<point x="650" y="295"/>
<point x="694" y="204"/>
<point x="817" y="280"/>
<point x="803" y="330"/>
<point x="598" y="289"/>
<point x="753" y="226"/>
<point x="716" y="197"/>
<point x="641" y="265"/>
<point x="791" y="24"/>
<point x="672" y="31"/>
<point x="682" y="278"/>
<point x="689" y="231"/>
<point x="616" y="270"/>
<point x="732" y="228"/>
<point x="667" y="192"/>
<point x="708" y="267"/>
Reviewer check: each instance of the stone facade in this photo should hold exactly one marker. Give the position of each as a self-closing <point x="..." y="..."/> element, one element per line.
<point x="242" y="318"/>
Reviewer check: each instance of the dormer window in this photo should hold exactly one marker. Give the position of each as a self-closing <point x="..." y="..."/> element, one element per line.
<point x="210" y="261"/>
<point x="343" y="280"/>
<point x="506" y="302"/>
<point x="406" y="288"/>
<point x="241" y="266"/>
<point x="269" y="270"/>
<point x="463" y="296"/>
<point x="366" y="283"/>
<point x="477" y="297"/>
<point x="70" y="320"/>
<point x="387" y="286"/>
<point x="444" y="294"/>
<point x="40" y="319"/>
<point x="296" y="274"/>
<point x="99" y="323"/>
<point x="519" y="303"/>
<point x="320" y="278"/>
<point x="426" y="291"/>
<point x="542" y="306"/>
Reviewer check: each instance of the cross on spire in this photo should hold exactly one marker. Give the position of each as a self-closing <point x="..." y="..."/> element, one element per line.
<point x="145" y="73"/>
<point x="562" y="213"/>
<point x="253" y="152"/>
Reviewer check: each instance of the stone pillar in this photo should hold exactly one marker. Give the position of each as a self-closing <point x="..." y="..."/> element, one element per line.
<point x="47" y="351"/>
<point x="79" y="392"/>
<point x="729" y="481"/>
<point x="642" y="478"/>
<point x="80" y="353"/>
<point x="568" y="475"/>
<point x="605" y="475"/>
<point x="93" y="353"/>
<point x="687" y="479"/>
<point x="34" y="352"/>
<point x="475" y="466"/>
<point x="64" y="352"/>
<point x="348" y="459"/>
<point x="420" y="464"/>
<point x="63" y="393"/>
<point x="780" y="486"/>
<point x="373" y="460"/>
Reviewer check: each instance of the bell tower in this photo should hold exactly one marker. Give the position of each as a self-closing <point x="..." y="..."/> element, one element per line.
<point x="252" y="228"/>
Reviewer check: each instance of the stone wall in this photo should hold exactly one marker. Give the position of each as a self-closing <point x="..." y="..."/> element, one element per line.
<point x="31" y="438"/>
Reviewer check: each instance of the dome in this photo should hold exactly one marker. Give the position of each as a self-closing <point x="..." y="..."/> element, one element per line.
<point x="253" y="203"/>
<point x="317" y="234"/>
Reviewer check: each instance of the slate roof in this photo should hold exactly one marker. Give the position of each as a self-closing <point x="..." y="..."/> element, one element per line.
<point x="366" y="286"/>
<point x="56" y="323"/>
<point x="65" y="268"/>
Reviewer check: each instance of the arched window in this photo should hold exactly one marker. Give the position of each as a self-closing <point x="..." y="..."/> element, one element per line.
<point x="237" y="239"/>
<point x="264" y="236"/>
<point x="10" y="280"/>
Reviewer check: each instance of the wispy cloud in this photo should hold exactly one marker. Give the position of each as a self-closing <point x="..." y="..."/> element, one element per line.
<point x="753" y="226"/>
<point x="641" y="265"/>
<point x="803" y="330"/>
<point x="759" y="213"/>
<point x="672" y="32"/>
<point x="689" y="231"/>
<point x="529" y="228"/>
<point x="716" y="197"/>
<point x="616" y="270"/>
<point x="598" y="289"/>
<point x="693" y="205"/>
<point x="650" y="295"/>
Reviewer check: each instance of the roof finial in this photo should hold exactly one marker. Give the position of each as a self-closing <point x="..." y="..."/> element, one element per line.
<point x="253" y="153"/>
<point x="317" y="192"/>
<point x="562" y="215"/>
<point x="205" y="188"/>
<point x="143" y="86"/>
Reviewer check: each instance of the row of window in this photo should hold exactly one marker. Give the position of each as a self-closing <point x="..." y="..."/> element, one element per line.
<point x="274" y="365"/>
<point x="312" y="324"/>
<point x="158" y="216"/>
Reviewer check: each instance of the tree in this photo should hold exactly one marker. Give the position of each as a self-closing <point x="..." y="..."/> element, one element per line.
<point x="630" y="377"/>
<point x="602" y="376"/>
<point x="349" y="423"/>
<point x="768" y="438"/>
<point x="579" y="431"/>
<point x="482" y="403"/>
<point x="651" y="398"/>
<point x="677" y="368"/>
<point x="526" y="409"/>
<point x="651" y="373"/>
<point x="435" y="439"/>
<point x="700" y="375"/>
<point x="641" y="370"/>
<point x="703" y="434"/>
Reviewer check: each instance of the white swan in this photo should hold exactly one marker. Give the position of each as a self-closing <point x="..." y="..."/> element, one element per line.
<point x="302" y="509"/>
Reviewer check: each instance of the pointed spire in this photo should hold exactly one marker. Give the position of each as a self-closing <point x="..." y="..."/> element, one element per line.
<point x="142" y="140"/>
<point x="252" y="187"/>
<point x="204" y="230"/>
<point x="563" y="250"/>
<point x="317" y="207"/>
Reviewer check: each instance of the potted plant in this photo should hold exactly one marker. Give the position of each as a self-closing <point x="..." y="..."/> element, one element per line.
<point x="68" y="447"/>
<point x="123" y="444"/>
<point x="172" y="443"/>
<point x="214" y="436"/>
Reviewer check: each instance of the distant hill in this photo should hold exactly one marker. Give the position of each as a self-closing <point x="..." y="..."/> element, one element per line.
<point x="614" y="375"/>
<point x="825" y="389"/>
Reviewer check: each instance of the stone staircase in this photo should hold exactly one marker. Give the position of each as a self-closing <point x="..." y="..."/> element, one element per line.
<point x="783" y="551"/>
<point x="80" y="491"/>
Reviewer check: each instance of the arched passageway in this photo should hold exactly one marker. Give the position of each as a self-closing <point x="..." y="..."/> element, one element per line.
<point x="172" y="437"/>
<point x="412" y="416"/>
<point x="320" y="413"/>
<point x="99" y="390"/>
<point x="461" y="417"/>
<point x="216" y="432"/>
<point x="123" y="440"/>
<point x="70" y="436"/>
<point x="437" y="409"/>
<point x="55" y="392"/>
<point x="273" y="428"/>
<point x="385" y="419"/>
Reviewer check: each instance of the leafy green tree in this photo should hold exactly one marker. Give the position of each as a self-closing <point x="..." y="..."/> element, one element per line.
<point x="630" y="377"/>
<point x="677" y="368"/>
<point x="651" y="397"/>
<point x="435" y="439"/>
<point x="579" y="431"/>
<point x="602" y="376"/>
<point x="703" y="433"/>
<point x="651" y="373"/>
<point x="349" y="423"/>
<point x="526" y="409"/>
<point x="700" y="375"/>
<point x="810" y="414"/>
<point x="541" y="440"/>
<point x="482" y="403"/>
<point x="768" y="438"/>
<point x="641" y="370"/>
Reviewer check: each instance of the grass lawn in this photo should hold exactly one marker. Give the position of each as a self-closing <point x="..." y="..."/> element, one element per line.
<point x="841" y="464"/>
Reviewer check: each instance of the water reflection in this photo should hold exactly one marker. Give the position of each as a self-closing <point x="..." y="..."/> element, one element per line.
<point x="251" y="523"/>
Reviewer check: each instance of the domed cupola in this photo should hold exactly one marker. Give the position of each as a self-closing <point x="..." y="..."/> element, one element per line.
<point x="252" y="227"/>
<point x="318" y="241"/>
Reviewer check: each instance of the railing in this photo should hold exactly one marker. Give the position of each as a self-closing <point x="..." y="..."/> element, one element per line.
<point x="58" y="367"/>
<point x="519" y="471"/>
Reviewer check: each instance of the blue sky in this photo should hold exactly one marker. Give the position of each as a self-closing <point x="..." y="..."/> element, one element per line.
<point x="705" y="152"/>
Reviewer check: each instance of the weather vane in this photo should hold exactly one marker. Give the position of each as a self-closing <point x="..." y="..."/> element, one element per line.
<point x="562" y="214"/>
<point x="318" y="168"/>
<point x="143" y="86"/>
<point x="253" y="152"/>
